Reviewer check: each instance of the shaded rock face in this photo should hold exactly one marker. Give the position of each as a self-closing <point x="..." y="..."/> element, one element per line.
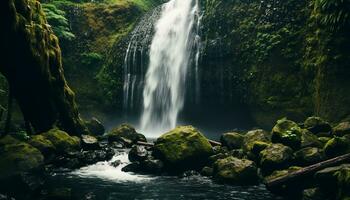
<point x="95" y="126"/>
<point x="288" y="133"/>
<point x="235" y="171"/>
<point x="337" y="146"/>
<point x="183" y="148"/>
<point x="274" y="157"/>
<point x="125" y="133"/>
<point x="309" y="156"/>
<point x="232" y="140"/>
<point x="17" y="157"/>
<point x="317" y="125"/>
<point x="342" y="129"/>
<point x="31" y="62"/>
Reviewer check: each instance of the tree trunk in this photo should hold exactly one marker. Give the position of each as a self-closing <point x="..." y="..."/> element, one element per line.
<point x="30" y="59"/>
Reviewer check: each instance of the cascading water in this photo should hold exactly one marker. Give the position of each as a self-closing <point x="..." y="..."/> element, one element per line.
<point x="176" y="35"/>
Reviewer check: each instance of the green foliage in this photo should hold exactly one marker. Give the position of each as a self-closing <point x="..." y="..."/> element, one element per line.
<point x="333" y="14"/>
<point x="58" y="21"/>
<point x="91" y="59"/>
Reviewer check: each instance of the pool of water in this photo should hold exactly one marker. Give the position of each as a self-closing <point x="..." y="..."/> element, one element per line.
<point x="105" y="182"/>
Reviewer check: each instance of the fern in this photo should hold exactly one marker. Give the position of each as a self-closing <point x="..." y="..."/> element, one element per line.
<point x="334" y="14"/>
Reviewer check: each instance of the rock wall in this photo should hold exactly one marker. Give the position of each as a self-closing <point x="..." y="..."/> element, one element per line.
<point x="31" y="62"/>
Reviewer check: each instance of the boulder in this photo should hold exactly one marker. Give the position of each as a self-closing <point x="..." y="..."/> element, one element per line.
<point x="337" y="146"/>
<point x="44" y="145"/>
<point x="232" y="140"/>
<point x="89" y="142"/>
<point x="63" y="142"/>
<point x="125" y="133"/>
<point x="317" y="125"/>
<point x="95" y="126"/>
<point x="342" y="129"/>
<point x="323" y="140"/>
<point x="207" y="171"/>
<point x="254" y="136"/>
<point x="183" y="148"/>
<point x="308" y="156"/>
<point x="288" y="133"/>
<point x="17" y="157"/>
<point x="314" y="194"/>
<point x="235" y="171"/>
<point x="152" y="166"/>
<point x="138" y="153"/>
<point x="308" y="139"/>
<point x="274" y="157"/>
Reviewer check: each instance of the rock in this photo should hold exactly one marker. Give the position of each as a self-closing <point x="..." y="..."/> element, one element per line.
<point x="287" y="132"/>
<point x="342" y="129"/>
<point x="132" y="167"/>
<point x="254" y="136"/>
<point x="279" y="173"/>
<point x="317" y="125"/>
<point x="63" y="142"/>
<point x="89" y="142"/>
<point x="183" y="148"/>
<point x="232" y="140"/>
<point x="308" y="139"/>
<point x="137" y="153"/>
<point x="274" y="157"/>
<point x="125" y="133"/>
<point x="59" y="194"/>
<point x="337" y="146"/>
<point x="5" y="197"/>
<point x="152" y="166"/>
<point x="92" y="157"/>
<point x="17" y="157"/>
<point x="314" y="194"/>
<point x="324" y="140"/>
<point x="207" y="171"/>
<point x="95" y="126"/>
<point x="235" y="171"/>
<point x="259" y="146"/>
<point x="44" y="145"/>
<point x="116" y="163"/>
<point x="308" y="156"/>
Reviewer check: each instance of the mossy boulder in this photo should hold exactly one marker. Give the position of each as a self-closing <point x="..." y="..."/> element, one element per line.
<point x="288" y="133"/>
<point x="279" y="173"/>
<point x="254" y="136"/>
<point x="17" y="157"/>
<point x="95" y="126"/>
<point x="342" y="129"/>
<point x="125" y="131"/>
<point x="62" y="141"/>
<point x="337" y="146"/>
<point x="317" y="125"/>
<point x="235" y="171"/>
<point x="274" y="157"/>
<point x="44" y="145"/>
<point x="309" y="156"/>
<point x="183" y="148"/>
<point x="232" y="140"/>
<point x="323" y="140"/>
<point x="308" y="139"/>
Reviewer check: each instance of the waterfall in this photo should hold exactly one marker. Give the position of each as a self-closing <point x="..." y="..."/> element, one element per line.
<point x="171" y="52"/>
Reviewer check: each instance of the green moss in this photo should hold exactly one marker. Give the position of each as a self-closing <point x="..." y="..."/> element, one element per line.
<point x="44" y="145"/>
<point x="125" y="131"/>
<point x="16" y="157"/>
<point x="183" y="147"/>
<point x="275" y="156"/>
<point x="288" y="133"/>
<point x="337" y="146"/>
<point x="62" y="141"/>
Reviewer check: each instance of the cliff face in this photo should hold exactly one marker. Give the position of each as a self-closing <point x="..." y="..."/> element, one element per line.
<point x="32" y="64"/>
<point x="279" y="59"/>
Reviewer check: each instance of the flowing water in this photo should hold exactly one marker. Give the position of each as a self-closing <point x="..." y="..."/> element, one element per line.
<point x="102" y="181"/>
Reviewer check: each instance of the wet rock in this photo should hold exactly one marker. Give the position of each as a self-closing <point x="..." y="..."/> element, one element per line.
<point x="63" y="142"/>
<point x="337" y="146"/>
<point x="95" y="126"/>
<point x="132" y="167"/>
<point x="324" y="140"/>
<point x="317" y="126"/>
<point x="152" y="166"/>
<point x="342" y="129"/>
<point x="180" y="147"/>
<point x="288" y="133"/>
<point x="92" y="157"/>
<point x="137" y="153"/>
<point x="126" y="134"/>
<point x="17" y="157"/>
<point x="314" y="194"/>
<point x="44" y="145"/>
<point x="274" y="157"/>
<point x="308" y="139"/>
<point x="89" y="142"/>
<point x="189" y="173"/>
<point x="5" y="197"/>
<point x="207" y="171"/>
<point x="254" y="136"/>
<point x="235" y="171"/>
<point x="232" y="140"/>
<point x="308" y="156"/>
<point x="116" y="163"/>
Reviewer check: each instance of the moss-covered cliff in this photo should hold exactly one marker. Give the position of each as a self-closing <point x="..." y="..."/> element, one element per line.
<point x="31" y="62"/>
<point x="278" y="57"/>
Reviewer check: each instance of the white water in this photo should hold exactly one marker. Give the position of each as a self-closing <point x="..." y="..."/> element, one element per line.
<point x="165" y="81"/>
<point x="104" y="170"/>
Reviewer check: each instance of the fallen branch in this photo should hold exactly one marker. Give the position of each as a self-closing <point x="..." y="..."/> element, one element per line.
<point x="293" y="176"/>
<point x="214" y="143"/>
